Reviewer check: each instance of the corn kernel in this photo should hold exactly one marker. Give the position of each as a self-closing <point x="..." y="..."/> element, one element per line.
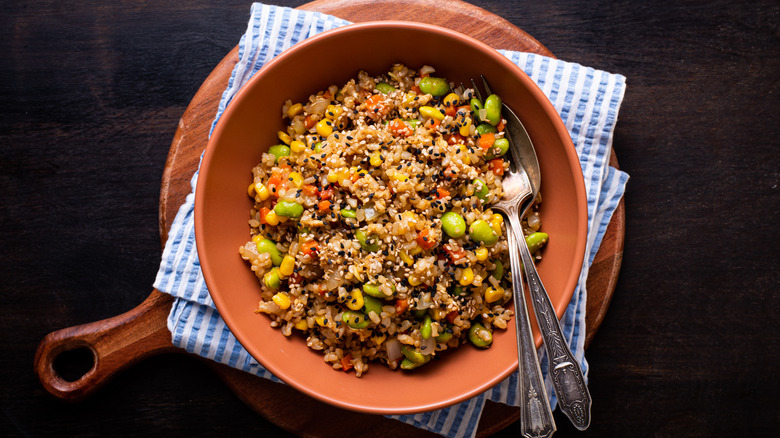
<point x="376" y="159"/>
<point x="481" y="253"/>
<point x="324" y="127"/>
<point x="294" y="110"/>
<point x="297" y="179"/>
<point x="333" y="112"/>
<point x="415" y="250"/>
<point x="257" y="237"/>
<point x="297" y="146"/>
<point x="251" y="190"/>
<point x="333" y="177"/>
<point x="465" y="129"/>
<point x="355" y="300"/>
<point x="398" y="176"/>
<point x="494" y="294"/>
<point x="414" y="280"/>
<point x="283" y="136"/>
<point x="320" y="320"/>
<point x="406" y="258"/>
<point x="272" y="219"/>
<point x="342" y="176"/>
<point x="451" y="99"/>
<point x="431" y="112"/>
<point x="466" y="276"/>
<point x="282" y="300"/>
<point x="287" y="267"/>
<point x="302" y="325"/>
<point x="262" y="191"/>
<point x="378" y="338"/>
<point x="495" y="223"/>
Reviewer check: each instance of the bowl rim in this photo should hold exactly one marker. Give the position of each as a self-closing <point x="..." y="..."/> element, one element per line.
<point x="560" y="132"/>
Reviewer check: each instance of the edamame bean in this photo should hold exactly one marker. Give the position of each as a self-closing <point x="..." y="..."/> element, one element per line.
<point x="493" y="109"/>
<point x="272" y="280"/>
<point x="419" y="313"/>
<point x="407" y="364"/>
<point x="481" y="231"/>
<point x="354" y="319"/>
<point x="480" y="336"/>
<point x="499" y="149"/>
<point x="373" y="290"/>
<point x="288" y="209"/>
<point x="414" y="355"/>
<point x="536" y="241"/>
<point x="444" y="337"/>
<point x="269" y="246"/>
<point x="371" y="304"/>
<point x="481" y="190"/>
<point x="434" y="86"/>
<point x="384" y="87"/>
<point x="279" y="150"/>
<point x="348" y="212"/>
<point x="484" y="128"/>
<point x="426" y="329"/>
<point x="366" y="241"/>
<point x="498" y="272"/>
<point x="453" y="224"/>
<point x="460" y="291"/>
<point x="476" y="105"/>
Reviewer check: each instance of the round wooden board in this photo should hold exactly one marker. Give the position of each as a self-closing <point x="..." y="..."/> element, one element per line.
<point x="279" y="403"/>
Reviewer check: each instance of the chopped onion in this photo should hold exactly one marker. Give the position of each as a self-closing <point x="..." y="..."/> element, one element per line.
<point x="424" y="301"/>
<point x="482" y="114"/>
<point x="428" y="345"/>
<point x="371" y="214"/>
<point x="393" y="347"/>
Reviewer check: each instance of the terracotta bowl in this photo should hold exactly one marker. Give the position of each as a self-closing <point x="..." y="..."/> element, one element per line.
<point x="248" y="127"/>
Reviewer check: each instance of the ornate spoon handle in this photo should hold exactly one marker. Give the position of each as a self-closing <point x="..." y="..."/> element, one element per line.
<point x="564" y="370"/>
<point x="536" y="417"/>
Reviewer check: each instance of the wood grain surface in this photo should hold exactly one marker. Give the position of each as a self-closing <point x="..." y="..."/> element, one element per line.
<point x="93" y="93"/>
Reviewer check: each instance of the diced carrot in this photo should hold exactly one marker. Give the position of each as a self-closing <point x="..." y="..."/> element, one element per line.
<point x="401" y="306"/>
<point x="263" y="211"/>
<point x="416" y="89"/>
<point x="327" y="94"/>
<point x="432" y="124"/>
<point x="295" y="278"/>
<point x="425" y="240"/>
<point x="324" y="206"/>
<point x="442" y="193"/>
<point x="310" y="190"/>
<point x="399" y="128"/>
<point x="451" y="110"/>
<point x="486" y="140"/>
<point x="497" y="166"/>
<point x="500" y="127"/>
<point x="310" y="247"/>
<point x="376" y="106"/>
<point x="456" y="139"/>
<point x="451" y="316"/>
<point x="326" y="193"/>
<point x="309" y="121"/>
<point x="346" y="362"/>
<point x="455" y="254"/>
<point x="276" y="184"/>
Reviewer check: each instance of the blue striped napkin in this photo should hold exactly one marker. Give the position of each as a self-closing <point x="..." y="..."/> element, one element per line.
<point x="587" y="100"/>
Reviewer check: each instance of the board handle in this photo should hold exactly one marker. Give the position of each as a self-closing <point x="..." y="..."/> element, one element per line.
<point x="115" y="344"/>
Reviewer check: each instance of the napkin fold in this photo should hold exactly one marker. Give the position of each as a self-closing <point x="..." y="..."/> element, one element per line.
<point x="587" y="100"/>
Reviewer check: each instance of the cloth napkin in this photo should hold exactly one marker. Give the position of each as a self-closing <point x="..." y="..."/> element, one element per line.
<point x="587" y="100"/>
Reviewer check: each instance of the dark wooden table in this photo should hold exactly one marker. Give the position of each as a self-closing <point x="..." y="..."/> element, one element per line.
<point x="91" y="96"/>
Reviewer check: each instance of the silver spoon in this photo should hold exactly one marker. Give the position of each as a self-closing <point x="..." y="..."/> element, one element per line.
<point x="536" y="418"/>
<point x="567" y="379"/>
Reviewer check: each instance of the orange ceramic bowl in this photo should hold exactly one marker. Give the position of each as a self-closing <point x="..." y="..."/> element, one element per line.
<point x="249" y="126"/>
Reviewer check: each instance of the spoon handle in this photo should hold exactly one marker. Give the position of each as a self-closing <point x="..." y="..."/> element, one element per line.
<point x="573" y="396"/>
<point x="535" y="412"/>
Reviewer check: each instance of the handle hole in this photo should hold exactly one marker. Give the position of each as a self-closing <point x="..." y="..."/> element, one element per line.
<point x="72" y="365"/>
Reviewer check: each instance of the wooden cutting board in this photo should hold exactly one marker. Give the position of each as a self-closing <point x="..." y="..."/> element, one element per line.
<point x="121" y="341"/>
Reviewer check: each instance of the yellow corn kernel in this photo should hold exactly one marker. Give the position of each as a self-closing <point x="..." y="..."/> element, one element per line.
<point x="481" y="253"/>
<point x="287" y="267"/>
<point x="466" y="159"/>
<point x="333" y="112"/>
<point x="378" y="338"/>
<point x="431" y="112"/>
<point x="342" y="176"/>
<point x="257" y="237"/>
<point x="333" y="177"/>
<point x="415" y="250"/>
<point x="251" y="190"/>
<point x="272" y="219"/>
<point x="282" y="300"/>
<point x="297" y="146"/>
<point x="494" y="294"/>
<point x="414" y="280"/>
<point x="376" y="159"/>
<point x="294" y="110"/>
<point x="324" y="127"/>
<point x="321" y="321"/>
<point x="451" y="99"/>
<point x="465" y="129"/>
<point x="283" y="136"/>
<point x="398" y="176"/>
<point x="495" y="223"/>
<point x="262" y="191"/>
<point x="466" y="276"/>
<point x="406" y="258"/>
<point x="301" y="325"/>
<point x="355" y="300"/>
<point x="297" y="179"/>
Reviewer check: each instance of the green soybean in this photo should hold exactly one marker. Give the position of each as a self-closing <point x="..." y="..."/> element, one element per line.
<point x="268" y="246"/>
<point x="477" y="335"/>
<point x="498" y="272"/>
<point x="476" y="105"/>
<point x="373" y="290"/>
<point x="493" y="109"/>
<point x="484" y="128"/>
<point x="348" y="212"/>
<point x="371" y="304"/>
<point x="272" y="279"/>
<point x="460" y="291"/>
<point x="434" y="86"/>
<point x="279" y="150"/>
<point x="536" y="241"/>
<point x="453" y="224"/>
<point x="481" y="190"/>
<point x="288" y="209"/>
<point x="499" y="149"/>
<point x="443" y="338"/>
<point x="414" y="355"/>
<point x="480" y="231"/>
<point x="407" y="364"/>
<point x="384" y="87"/>
<point x="356" y="320"/>
<point x="426" y="329"/>
<point x="367" y="242"/>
